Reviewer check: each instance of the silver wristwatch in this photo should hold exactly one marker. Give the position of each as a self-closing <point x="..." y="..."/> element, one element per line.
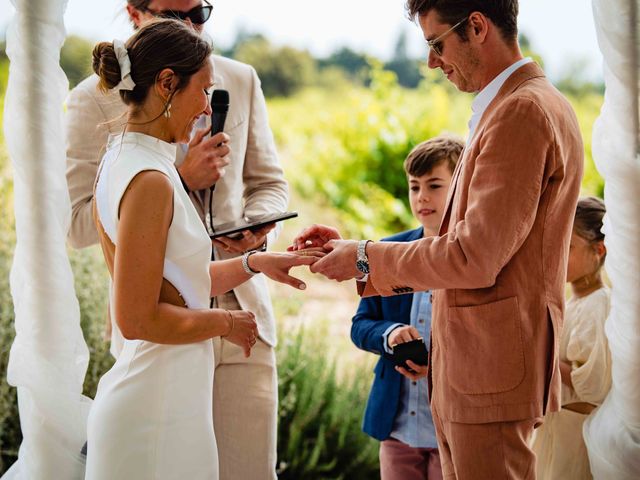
<point x="245" y="262"/>
<point x="362" y="261"/>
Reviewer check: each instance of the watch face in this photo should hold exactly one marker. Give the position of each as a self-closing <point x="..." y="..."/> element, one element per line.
<point x="362" y="266"/>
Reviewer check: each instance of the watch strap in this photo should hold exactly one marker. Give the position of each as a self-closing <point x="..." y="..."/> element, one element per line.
<point x="245" y="263"/>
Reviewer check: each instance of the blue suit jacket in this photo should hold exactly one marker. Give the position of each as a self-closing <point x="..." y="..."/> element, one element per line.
<point x="374" y="316"/>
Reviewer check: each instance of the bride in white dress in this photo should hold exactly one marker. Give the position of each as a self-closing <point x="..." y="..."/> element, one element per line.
<point x="152" y="418"/>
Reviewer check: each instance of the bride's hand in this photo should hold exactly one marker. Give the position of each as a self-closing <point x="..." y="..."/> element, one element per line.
<point x="276" y="266"/>
<point x="243" y="330"/>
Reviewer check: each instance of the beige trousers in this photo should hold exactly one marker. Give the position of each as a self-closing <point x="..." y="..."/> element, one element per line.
<point x="245" y="410"/>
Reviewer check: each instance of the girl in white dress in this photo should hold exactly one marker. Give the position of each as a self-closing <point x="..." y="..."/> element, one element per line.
<point x="585" y="363"/>
<point x="152" y="418"/>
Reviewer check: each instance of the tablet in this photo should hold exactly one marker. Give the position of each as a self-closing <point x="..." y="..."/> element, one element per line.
<point x="235" y="228"/>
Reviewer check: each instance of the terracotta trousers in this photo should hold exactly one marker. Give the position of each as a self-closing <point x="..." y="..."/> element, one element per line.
<point x="486" y="451"/>
<point x="399" y="461"/>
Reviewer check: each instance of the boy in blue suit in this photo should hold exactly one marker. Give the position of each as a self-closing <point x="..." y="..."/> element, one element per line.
<point x="398" y="411"/>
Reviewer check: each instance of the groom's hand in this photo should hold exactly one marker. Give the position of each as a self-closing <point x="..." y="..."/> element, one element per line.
<point x="340" y="263"/>
<point x="314" y="236"/>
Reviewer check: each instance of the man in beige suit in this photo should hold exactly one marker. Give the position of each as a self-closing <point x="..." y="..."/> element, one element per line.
<point x="245" y="389"/>
<point x="499" y="262"/>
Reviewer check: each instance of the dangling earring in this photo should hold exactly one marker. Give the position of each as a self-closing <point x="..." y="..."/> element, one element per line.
<point x="167" y="111"/>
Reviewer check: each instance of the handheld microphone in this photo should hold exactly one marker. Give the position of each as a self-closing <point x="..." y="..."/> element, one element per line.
<point x="219" y="109"/>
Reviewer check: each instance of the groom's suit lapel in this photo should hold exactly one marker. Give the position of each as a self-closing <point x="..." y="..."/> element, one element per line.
<point x="524" y="73"/>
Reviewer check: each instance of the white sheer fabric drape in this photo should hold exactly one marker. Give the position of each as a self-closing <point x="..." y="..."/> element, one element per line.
<point x="612" y="434"/>
<point x="49" y="356"/>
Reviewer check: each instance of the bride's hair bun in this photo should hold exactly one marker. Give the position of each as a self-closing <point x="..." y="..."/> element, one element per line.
<point x="160" y="44"/>
<point x="106" y="66"/>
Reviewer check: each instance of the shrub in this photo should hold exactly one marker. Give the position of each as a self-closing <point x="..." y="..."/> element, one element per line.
<point x="345" y="150"/>
<point x="319" y="434"/>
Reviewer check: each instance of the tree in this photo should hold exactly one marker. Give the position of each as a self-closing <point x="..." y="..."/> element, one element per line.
<point x="400" y="49"/>
<point x="75" y="59"/>
<point x="406" y="69"/>
<point x="282" y="70"/>
<point x="354" y="64"/>
<point x="527" y="49"/>
<point x="575" y="79"/>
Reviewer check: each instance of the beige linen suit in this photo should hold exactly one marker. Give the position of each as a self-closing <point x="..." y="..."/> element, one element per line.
<point x="499" y="268"/>
<point x="245" y="390"/>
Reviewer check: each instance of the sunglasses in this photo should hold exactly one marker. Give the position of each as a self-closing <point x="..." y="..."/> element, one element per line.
<point x="436" y="44"/>
<point x="197" y="15"/>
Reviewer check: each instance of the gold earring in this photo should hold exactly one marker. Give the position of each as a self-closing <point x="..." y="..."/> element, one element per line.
<point x="167" y="111"/>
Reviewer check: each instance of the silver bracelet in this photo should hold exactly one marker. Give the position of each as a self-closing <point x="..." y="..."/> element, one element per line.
<point x="245" y="263"/>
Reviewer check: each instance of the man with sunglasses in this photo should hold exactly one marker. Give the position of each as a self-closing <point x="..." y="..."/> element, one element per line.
<point x="196" y="16"/>
<point x="498" y="265"/>
<point x="242" y="164"/>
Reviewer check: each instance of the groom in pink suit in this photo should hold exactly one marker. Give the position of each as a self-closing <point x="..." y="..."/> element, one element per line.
<point x="499" y="263"/>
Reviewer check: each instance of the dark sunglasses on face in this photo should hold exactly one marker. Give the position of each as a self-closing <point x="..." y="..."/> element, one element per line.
<point x="197" y="15"/>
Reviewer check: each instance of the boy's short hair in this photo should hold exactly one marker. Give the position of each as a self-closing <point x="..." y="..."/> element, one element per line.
<point x="429" y="154"/>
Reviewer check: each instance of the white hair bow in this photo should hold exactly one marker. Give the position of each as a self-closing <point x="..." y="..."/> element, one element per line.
<point x="126" y="82"/>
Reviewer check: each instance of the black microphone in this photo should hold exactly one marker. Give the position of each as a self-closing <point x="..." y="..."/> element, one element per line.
<point x="219" y="109"/>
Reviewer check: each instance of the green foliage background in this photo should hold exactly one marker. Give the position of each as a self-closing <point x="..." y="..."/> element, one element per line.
<point x="343" y="134"/>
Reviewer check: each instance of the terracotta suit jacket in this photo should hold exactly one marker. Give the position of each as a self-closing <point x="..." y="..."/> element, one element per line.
<point x="499" y="263"/>
<point x="253" y="183"/>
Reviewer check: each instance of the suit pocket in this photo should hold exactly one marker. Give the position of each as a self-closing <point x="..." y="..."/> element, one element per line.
<point x="483" y="348"/>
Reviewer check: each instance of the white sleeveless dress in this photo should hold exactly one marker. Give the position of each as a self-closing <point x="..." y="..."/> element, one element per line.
<point x="152" y="415"/>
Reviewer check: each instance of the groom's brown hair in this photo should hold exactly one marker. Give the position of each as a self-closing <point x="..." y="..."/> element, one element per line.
<point x="503" y="13"/>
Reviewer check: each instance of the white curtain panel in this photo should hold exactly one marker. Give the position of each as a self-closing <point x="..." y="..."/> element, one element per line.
<point x="612" y="434"/>
<point x="49" y="356"/>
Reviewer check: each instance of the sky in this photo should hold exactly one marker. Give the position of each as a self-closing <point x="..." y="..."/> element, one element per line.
<point x="561" y="31"/>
